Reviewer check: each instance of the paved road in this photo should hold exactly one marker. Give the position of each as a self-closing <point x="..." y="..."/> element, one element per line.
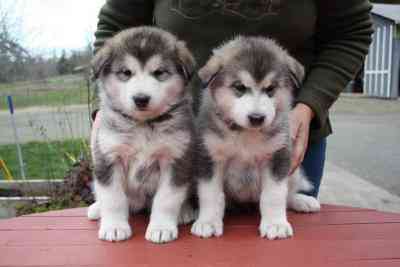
<point x="45" y="123"/>
<point x="366" y="140"/>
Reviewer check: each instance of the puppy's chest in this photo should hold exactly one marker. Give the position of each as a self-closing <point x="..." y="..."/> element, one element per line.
<point x="248" y="149"/>
<point x="144" y="154"/>
<point x="242" y="180"/>
<point x="145" y="145"/>
<point x="242" y="160"/>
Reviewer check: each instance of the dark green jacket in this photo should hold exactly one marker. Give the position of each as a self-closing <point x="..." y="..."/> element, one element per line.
<point x="330" y="37"/>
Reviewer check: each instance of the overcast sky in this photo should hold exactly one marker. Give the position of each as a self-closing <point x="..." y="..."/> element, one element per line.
<point x="49" y="25"/>
<point x="53" y="25"/>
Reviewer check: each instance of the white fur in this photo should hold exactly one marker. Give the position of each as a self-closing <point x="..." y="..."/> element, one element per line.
<point x="187" y="213"/>
<point x="303" y="203"/>
<point x="274" y="223"/>
<point x="254" y="102"/>
<point x="212" y="206"/>
<point x="93" y="211"/>
<point x="167" y="202"/>
<point x="114" y="210"/>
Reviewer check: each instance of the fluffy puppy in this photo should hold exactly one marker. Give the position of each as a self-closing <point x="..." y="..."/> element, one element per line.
<point x="244" y="126"/>
<point x="142" y="148"/>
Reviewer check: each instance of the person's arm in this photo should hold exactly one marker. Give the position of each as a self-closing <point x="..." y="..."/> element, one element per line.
<point x="343" y="36"/>
<point x="117" y="15"/>
<point x="344" y="29"/>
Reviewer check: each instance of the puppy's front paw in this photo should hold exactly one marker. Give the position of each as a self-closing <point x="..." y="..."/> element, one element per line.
<point x="161" y="233"/>
<point x="207" y="229"/>
<point x="115" y="231"/>
<point x="277" y="230"/>
<point x="302" y="203"/>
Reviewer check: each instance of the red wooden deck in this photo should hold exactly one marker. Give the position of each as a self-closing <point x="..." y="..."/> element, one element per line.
<point x="337" y="236"/>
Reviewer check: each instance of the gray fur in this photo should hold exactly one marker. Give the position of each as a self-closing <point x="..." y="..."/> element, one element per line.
<point x="203" y="161"/>
<point x="103" y="167"/>
<point x="280" y="163"/>
<point x="146" y="171"/>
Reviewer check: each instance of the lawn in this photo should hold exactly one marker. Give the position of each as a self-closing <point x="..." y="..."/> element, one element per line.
<point x="55" y="91"/>
<point x="44" y="160"/>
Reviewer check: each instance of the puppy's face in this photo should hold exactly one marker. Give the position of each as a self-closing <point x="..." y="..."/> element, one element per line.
<point x="251" y="80"/>
<point x="143" y="72"/>
<point x="143" y="90"/>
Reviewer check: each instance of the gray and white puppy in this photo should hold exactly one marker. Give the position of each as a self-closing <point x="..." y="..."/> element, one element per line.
<point x="244" y="123"/>
<point x="142" y="147"/>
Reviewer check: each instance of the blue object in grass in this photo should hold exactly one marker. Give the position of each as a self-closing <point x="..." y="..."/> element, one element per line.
<point x="10" y="104"/>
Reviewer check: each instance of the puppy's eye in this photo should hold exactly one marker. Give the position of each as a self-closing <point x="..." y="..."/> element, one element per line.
<point x="270" y="90"/>
<point x="124" y="74"/>
<point x="240" y="89"/>
<point x="161" y="74"/>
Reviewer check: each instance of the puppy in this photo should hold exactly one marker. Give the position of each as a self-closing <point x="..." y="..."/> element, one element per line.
<point x="244" y="126"/>
<point x="142" y="148"/>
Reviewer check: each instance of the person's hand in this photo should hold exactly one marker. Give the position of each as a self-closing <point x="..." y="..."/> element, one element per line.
<point x="299" y="119"/>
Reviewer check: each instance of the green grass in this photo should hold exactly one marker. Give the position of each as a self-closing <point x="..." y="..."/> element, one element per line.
<point x="55" y="91"/>
<point x="43" y="160"/>
<point x="48" y="98"/>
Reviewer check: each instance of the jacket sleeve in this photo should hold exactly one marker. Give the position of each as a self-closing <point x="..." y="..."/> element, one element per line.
<point x="117" y="15"/>
<point x="343" y="36"/>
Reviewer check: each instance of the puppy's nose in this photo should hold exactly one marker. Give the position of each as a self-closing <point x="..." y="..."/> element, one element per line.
<point x="256" y="119"/>
<point x="141" y="100"/>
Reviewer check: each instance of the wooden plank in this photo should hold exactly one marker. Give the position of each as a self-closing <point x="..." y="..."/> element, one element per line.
<point x="81" y="212"/>
<point x="77" y="212"/>
<point x="331" y="208"/>
<point x="358" y="263"/>
<point x="232" y="250"/>
<point x="316" y="233"/>
<point x="338" y="236"/>
<point x="322" y="218"/>
<point x="365" y="263"/>
<point x="44" y="223"/>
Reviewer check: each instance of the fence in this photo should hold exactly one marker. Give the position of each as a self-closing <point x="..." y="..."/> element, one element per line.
<point x="381" y="66"/>
<point x="53" y="124"/>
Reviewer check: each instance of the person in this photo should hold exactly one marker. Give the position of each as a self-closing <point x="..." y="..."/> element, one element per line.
<point x="330" y="38"/>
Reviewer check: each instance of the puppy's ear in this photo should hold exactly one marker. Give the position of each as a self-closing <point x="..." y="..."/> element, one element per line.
<point x="186" y="60"/>
<point x="296" y="71"/>
<point x="100" y="61"/>
<point x="209" y="71"/>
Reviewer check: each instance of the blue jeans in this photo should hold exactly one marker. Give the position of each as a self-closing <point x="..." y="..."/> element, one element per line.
<point x="313" y="165"/>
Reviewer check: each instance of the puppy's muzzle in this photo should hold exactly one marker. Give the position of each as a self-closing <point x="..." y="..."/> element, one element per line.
<point x="256" y="119"/>
<point x="141" y="101"/>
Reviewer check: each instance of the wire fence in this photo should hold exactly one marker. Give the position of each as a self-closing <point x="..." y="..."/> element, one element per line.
<point x="52" y="119"/>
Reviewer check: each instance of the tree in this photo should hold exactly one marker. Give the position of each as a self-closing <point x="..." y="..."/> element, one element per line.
<point x="63" y="65"/>
<point x="13" y="55"/>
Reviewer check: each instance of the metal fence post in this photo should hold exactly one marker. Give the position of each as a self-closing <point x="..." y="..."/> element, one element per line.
<point x="19" y="152"/>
